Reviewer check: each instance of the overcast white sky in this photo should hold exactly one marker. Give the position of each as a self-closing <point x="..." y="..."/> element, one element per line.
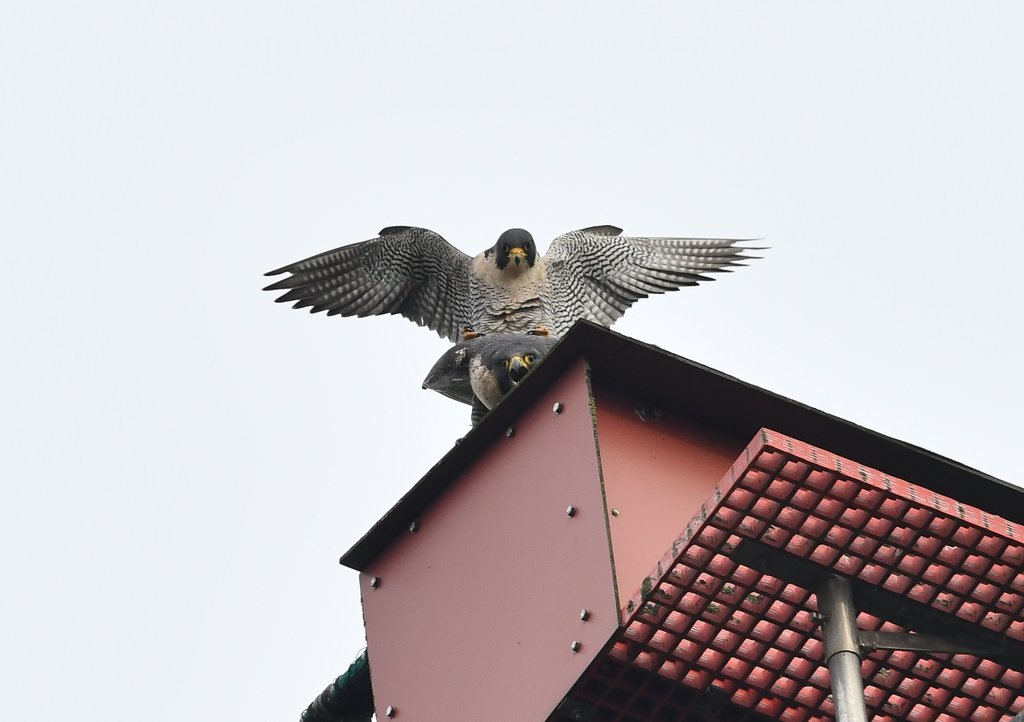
<point x="184" y="460"/>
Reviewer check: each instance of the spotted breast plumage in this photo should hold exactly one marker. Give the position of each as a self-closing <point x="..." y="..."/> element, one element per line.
<point x="594" y="273"/>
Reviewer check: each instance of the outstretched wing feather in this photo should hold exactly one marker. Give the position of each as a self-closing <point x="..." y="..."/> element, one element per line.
<point x="405" y="270"/>
<point x="597" y="274"/>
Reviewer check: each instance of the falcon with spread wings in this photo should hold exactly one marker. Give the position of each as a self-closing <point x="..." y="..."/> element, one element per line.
<point x="594" y="273"/>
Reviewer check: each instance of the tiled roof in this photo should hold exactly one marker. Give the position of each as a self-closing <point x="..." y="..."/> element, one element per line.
<point x="725" y="627"/>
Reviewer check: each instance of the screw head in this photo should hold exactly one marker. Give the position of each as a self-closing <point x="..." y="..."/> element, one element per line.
<point x="414" y="527"/>
<point x="575" y="646"/>
<point x="615" y="512"/>
<point x="584" y="614"/>
<point x="557" y="408"/>
<point x="570" y="511"/>
<point x="374" y="582"/>
<point x="510" y="432"/>
<point x="391" y="711"/>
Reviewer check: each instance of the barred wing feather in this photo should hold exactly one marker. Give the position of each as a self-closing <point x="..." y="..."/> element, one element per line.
<point x="597" y="274"/>
<point x="406" y="270"/>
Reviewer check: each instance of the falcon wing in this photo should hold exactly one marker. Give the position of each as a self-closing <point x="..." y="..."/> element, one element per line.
<point x="450" y="375"/>
<point x="597" y="274"/>
<point x="406" y="270"/>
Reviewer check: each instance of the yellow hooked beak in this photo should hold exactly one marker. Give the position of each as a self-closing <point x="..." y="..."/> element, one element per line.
<point x="518" y="366"/>
<point x="517" y="254"/>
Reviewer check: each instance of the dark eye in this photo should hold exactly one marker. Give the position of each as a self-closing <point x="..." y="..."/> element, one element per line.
<point x="504" y="248"/>
<point x="507" y="362"/>
<point x="528" y="358"/>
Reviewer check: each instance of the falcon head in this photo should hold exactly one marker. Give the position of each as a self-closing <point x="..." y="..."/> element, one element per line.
<point x="515" y="250"/>
<point x="518" y="365"/>
<point x="503" y="362"/>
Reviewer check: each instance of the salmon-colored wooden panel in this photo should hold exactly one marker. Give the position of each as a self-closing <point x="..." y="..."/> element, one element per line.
<point x="474" y="613"/>
<point x="658" y="470"/>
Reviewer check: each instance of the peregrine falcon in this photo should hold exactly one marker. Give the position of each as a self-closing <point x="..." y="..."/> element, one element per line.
<point x="594" y="273"/>
<point x="483" y="369"/>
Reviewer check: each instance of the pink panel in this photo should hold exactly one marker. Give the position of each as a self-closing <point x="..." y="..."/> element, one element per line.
<point x="475" y="612"/>
<point x="658" y="470"/>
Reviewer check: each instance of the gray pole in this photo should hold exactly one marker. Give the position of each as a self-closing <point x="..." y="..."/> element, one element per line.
<point x="842" y="651"/>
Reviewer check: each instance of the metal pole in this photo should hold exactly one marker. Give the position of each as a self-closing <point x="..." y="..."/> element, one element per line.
<point x="842" y="651"/>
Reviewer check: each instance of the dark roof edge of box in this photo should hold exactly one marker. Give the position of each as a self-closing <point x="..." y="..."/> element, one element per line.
<point x="734" y="407"/>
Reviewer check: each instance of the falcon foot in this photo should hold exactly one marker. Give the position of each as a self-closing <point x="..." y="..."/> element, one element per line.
<point x="468" y="333"/>
<point x="539" y="331"/>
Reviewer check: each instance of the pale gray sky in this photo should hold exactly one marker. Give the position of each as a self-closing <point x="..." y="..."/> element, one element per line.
<point x="184" y="460"/>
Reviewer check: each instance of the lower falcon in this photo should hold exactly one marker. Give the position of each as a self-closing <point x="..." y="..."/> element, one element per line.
<point x="482" y="370"/>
